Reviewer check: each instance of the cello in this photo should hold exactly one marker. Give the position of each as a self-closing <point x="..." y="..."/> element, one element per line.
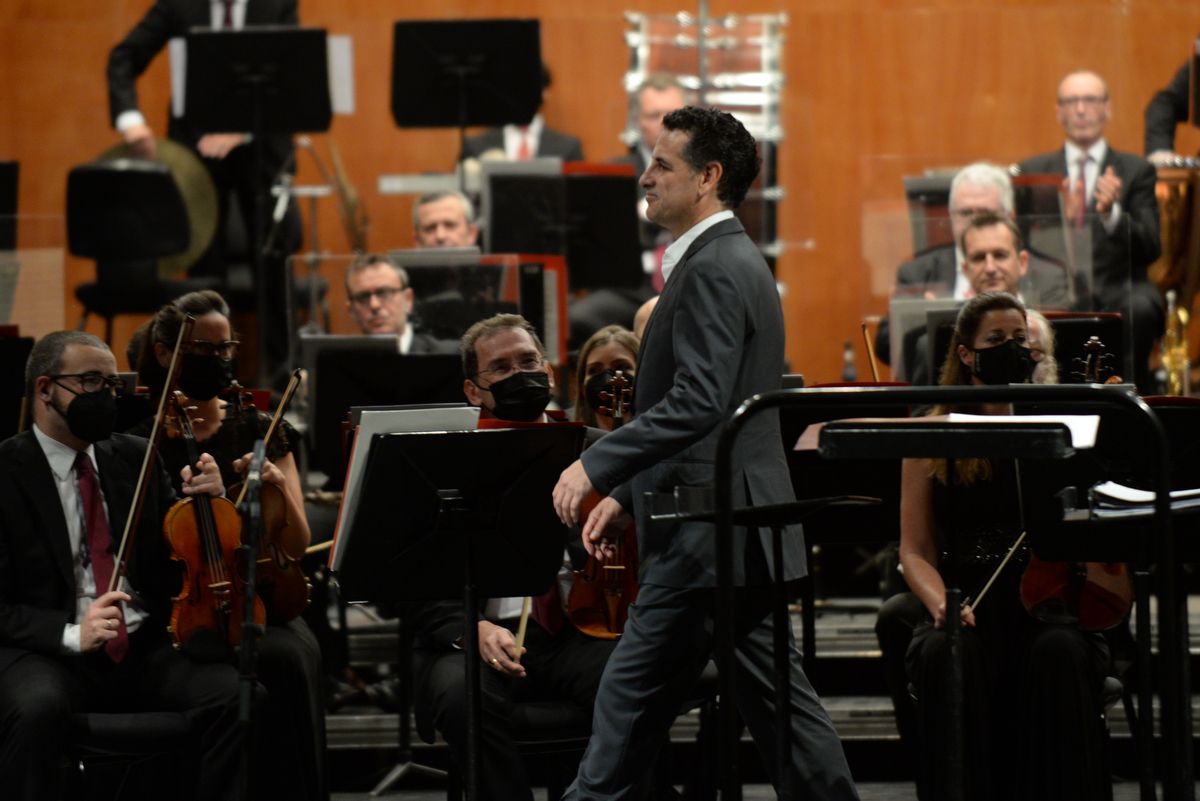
<point x="598" y="603"/>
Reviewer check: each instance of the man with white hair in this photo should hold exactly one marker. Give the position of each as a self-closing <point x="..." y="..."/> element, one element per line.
<point x="444" y="220"/>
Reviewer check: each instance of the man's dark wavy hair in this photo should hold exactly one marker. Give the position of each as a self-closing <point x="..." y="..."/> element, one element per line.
<point x="717" y="136"/>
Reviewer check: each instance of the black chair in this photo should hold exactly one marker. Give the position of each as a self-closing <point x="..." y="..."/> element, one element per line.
<point x="125" y="214"/>
<point x="130" y="755"/>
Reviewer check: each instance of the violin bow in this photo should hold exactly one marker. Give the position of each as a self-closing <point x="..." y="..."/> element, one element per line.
<point x="139" y="493"/>
<point x="523" y="624"/>
<point x="279" y="411"/>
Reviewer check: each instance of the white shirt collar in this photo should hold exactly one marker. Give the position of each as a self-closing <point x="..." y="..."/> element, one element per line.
<point x="406" y="340"/>
<point x="676" y="250"/>
<point x="61" y="457"/>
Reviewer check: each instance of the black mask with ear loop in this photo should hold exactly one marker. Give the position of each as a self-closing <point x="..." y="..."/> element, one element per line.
<point x="1010" y="363"/>
<point x="90" y="416"/>
<point x="521" y="397"/>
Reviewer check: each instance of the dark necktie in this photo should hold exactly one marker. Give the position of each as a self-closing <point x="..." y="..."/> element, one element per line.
<point x="227" y="19"/>
<point x="99" y="545"/>
<point x="1080" y="190"/>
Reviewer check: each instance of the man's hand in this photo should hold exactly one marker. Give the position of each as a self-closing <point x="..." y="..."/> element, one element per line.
<point x="498" y="648"/>
<point x="604" y="526"/>
<point x="141" y="141"/>
<point x="217" y="146"/>
<point x="101" y="621"/>
<point x="1162" y="157"/>
<point x="204" y="480"/>
<point x="572" y="487"/>
<point x="1107" y="191"/>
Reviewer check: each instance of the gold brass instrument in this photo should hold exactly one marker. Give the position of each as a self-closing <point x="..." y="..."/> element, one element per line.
<point x="199" y="198"/>
<point x="1175" y="348"/>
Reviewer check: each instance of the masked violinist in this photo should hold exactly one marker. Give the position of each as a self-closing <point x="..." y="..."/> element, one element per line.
<point x="1031" y="686"/>
<point x="610" y="350"/>
<point x="67" y="644"/>
<point x="289" y="658"/>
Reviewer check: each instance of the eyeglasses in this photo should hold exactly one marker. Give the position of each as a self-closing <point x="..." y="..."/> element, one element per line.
<point x="91" y="382"/>
<point x="384" y="294"/>
<point x="225" y="350"/>
<point x="1091" y="101"/>
<point x="527" y="364"/>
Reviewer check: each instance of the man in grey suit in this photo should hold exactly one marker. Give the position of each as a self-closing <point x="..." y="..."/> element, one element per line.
<point x="715" y="338"/>
<point x="1113" y="199"/>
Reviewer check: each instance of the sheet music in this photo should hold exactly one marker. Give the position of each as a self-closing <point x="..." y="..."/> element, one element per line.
<point x="1083" y="427"/>
<point x="389" y="421"/>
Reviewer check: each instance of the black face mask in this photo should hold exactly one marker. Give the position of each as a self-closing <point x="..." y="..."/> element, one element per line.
<point x="203" y="377"/>
<point x="1010" y="363"/>
<point x="90" y="416"/>
<point x="521" y="397"/>
<point x="601" y="382"/>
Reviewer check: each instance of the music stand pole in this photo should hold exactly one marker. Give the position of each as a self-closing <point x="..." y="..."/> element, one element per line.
<point x="954" y="663"/>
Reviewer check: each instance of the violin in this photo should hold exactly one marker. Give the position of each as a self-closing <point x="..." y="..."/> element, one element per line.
<point x="1096" y="363"/>
<point x="1098" y="594"/>
<point x="280" y="582"/>
<point x="598" y="604"/>
<point x="205" y="535"/>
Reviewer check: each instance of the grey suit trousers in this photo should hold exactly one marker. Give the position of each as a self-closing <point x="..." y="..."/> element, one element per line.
<point x="666" y="644"/>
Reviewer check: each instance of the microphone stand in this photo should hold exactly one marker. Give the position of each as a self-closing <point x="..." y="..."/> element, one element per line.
<point x="250" y="630"/>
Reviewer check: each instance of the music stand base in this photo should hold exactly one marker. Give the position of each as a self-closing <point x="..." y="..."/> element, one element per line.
<point x="399" y="771"/>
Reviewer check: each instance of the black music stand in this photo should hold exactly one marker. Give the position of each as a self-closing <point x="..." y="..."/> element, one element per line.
<point x="354" y="376"/>
<point x="590" y="218"/>
<point x="468" y="529"/>
<point x="448" y="74"/>
<point x="262" y="80"/>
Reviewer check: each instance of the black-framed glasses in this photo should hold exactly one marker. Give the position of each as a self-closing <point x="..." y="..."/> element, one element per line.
<point x="384" y="294"/>
<point x="527" y="364"/>
<point x="1090" y="101"/>
<point x="225" y="350"/>
<point x="91" y="382"/>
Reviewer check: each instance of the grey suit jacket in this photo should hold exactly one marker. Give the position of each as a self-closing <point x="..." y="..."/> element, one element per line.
<point x="715" y="338"/>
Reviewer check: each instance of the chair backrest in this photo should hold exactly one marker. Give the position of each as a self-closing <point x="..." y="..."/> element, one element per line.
<point x="125" y="209"/>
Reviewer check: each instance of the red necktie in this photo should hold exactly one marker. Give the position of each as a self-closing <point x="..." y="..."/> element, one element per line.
<point x="227" y="20"/>
<point x="523" y="153"/>
<point x="99" y="545"/>
<point x="1079" y="191"/>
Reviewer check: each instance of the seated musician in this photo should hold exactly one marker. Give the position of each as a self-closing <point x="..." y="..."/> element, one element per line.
<point x="380" y="300"/>
<point x="1032" y="681"/>
<point x="509" y="377"/>
<point x="943" y="271"/>
<point x="444" y="220"/>
<point x="67" y="644"/>
<point x="609" y="350"/>
<point x="292" y="763"/>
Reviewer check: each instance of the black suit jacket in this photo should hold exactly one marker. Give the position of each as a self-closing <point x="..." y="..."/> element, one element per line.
<point x="1045" y="286"/>
<point x="1124" y="255"/>
<point x="425" y="343"/>
<point x="715" y="338"/>
<point x="165" y="20"/>
<point x="37" y="576"/>
<point x="551" y="143"/>
<point x="1166" y="109"/>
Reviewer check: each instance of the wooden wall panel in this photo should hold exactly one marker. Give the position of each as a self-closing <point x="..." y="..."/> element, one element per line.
<point x="876" y="88"/>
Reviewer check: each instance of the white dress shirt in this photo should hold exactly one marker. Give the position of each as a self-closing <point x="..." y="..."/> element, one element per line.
<point x="676" y="250"/>
<point x="62" y="467"/>
<point x="532" y="133"/>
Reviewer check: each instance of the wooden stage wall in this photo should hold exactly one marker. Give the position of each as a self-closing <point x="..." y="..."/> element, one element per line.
<point x="875" y="88"/>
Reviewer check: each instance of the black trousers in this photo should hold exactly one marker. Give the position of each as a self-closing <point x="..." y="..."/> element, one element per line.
<point x="290" y="727"/>
<point x="666" y="644"/>
<point x="38" y="695"/>
<point x="565" y="667"/>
